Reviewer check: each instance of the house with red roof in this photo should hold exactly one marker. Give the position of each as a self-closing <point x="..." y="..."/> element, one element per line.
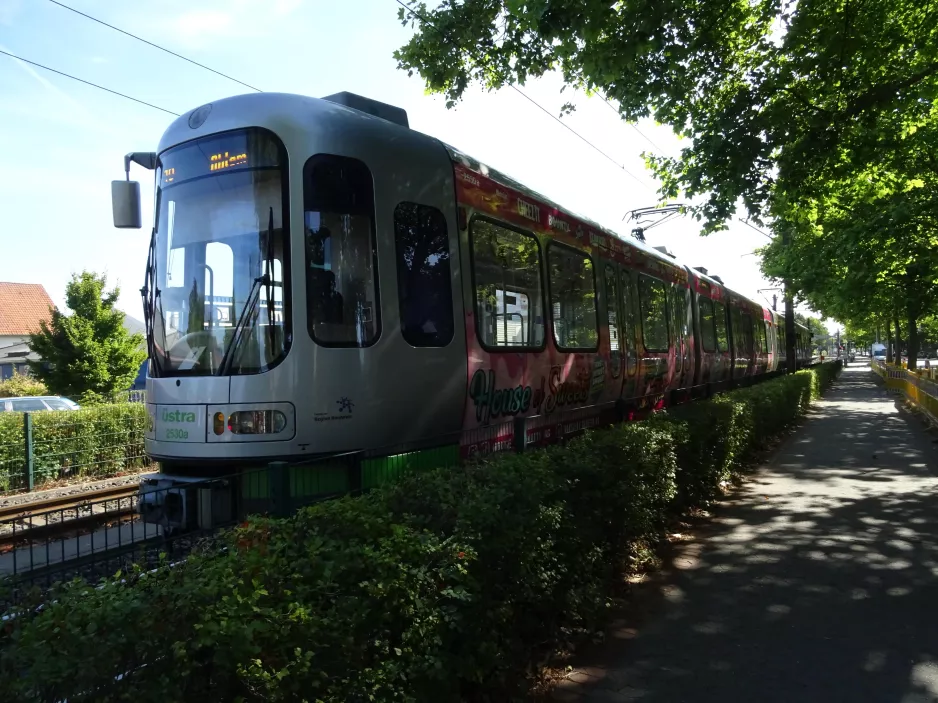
<point x="22" y="307"/>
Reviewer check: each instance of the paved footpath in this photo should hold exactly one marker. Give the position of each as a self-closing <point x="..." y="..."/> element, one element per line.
<point x="816" y="582"/>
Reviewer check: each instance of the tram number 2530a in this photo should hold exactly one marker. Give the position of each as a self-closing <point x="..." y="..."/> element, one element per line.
<point x="177" y="434"/>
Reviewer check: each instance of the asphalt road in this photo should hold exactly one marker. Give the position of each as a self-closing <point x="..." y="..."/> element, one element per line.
<point x="816" y="582"/>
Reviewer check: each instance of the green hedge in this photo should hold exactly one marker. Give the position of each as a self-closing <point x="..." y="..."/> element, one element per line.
<point x="96" y="441"/>
<point x="443" y="586"/>
<point x="715" y="439"/>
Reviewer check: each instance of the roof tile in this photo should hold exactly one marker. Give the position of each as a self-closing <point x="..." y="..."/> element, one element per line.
<point x="22" y="307"/>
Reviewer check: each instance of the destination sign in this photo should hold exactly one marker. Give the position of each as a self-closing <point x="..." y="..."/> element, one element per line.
<point x="239" y="150"/>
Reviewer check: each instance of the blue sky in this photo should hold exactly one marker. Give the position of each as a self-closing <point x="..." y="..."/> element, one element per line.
<point x="61" y="143"/>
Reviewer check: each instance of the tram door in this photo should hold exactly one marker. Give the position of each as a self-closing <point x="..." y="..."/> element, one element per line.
<point x="628" y="295"/>
<point x="425" y="365"/>
<point x="383" y="302"/>
<point x="683" y="366"/>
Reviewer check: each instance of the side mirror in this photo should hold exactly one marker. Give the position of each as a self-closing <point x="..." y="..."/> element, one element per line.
<point x="125" y="203"/>
<point x="125" y="195"/>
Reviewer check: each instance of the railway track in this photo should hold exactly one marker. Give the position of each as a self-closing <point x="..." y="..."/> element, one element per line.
<point x="64" y="515"/>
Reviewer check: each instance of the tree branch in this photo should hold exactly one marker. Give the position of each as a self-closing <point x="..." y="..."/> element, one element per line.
<point x="882" y="92"/>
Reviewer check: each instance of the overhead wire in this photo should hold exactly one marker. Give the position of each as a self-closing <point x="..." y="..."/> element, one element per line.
<point x="247" y="85"/>
<point x="587" y="141"/>
<point x="527" y="97"/>
<point x="154" y="45"/>
<point x="746" y="222"/>
<point x="93" y="85"/>
<point x="632" y="125"/>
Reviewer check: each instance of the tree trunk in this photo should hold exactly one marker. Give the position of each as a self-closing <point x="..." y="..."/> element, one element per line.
<point x="888" y="342"/>
<point x="790" y="359"/>
<point x="913" y="334"/>
<point x="895" y="320"/>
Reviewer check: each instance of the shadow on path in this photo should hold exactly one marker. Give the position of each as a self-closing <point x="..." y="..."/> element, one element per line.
<point x="815" y="582"/>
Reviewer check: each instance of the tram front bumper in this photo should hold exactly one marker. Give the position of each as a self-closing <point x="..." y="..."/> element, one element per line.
<point x="184" y="503"/>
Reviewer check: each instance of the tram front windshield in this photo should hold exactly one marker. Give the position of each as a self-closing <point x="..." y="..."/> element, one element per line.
<point x="220" y="247"/>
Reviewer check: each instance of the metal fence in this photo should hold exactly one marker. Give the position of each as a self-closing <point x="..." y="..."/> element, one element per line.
<point x="920" y="388"/>
<point x="40" y="448"/>
<point x="131" y="396"/>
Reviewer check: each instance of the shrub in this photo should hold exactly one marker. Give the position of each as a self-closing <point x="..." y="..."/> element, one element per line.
<point x="96" y="442"/>
<point x="709" y="434"/>
<point x="433" y="588"/>
<point x="339" y="603"/>
<point x="509" y="513"/>
<point x="822" y="376"/>
<point x="715" y="438"/>
<point x="444" y="586"/>
<point x="21" y="384"/>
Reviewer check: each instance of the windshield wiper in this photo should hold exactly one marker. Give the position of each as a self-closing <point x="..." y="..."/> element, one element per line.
<point x="247" y="310"/>
<point x="269" y="263"/>
<point x="146" y="293"/>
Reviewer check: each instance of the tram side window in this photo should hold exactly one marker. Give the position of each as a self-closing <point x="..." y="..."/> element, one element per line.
<point x="687" y="301"/>
<point x="674" y="307"/>
<point x="759" y="337"/>
<point x="507" y="271"/>
<point x="572" y="298"/>
<point x="341" y="257"/>
<point x="653" y="295"/>
<point x="738" y="347"/>
<point x="745" y="333"/>
<point x="630" y="307"/>
<point x="707" y="337"/>
<point x="612" y="317"/>
<point x="424" y="283"/>
<point x="719" y="318"/>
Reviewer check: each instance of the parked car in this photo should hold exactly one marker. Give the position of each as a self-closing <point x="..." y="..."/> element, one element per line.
<point x="36" y="403"/>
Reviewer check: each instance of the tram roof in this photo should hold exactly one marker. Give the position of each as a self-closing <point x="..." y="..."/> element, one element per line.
<point x="290" y="110"/>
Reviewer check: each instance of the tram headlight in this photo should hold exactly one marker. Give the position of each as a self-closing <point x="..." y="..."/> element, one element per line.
<point x="256" y="422"/>
<point x="218" y="423"/>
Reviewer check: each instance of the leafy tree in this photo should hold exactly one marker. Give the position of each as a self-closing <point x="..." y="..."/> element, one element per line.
<point x="929" y="334"/>
<point x="773" y="95"/>
<point x="88" y="354"/>
<point x="818" y="114"/>
<point x="863" y="333"/>
<point x="866" y="249"/>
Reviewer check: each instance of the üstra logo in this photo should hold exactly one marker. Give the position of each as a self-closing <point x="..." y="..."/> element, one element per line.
<point x="177" y="416"/>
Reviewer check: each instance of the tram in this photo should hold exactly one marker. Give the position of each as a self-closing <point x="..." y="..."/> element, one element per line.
<point x="323" y="279"/>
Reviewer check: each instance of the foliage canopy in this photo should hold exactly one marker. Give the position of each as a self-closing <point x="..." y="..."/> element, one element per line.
<point x="89" y="354"/>
<point x="816" y="115"/>
<point x="770" y="93"/>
